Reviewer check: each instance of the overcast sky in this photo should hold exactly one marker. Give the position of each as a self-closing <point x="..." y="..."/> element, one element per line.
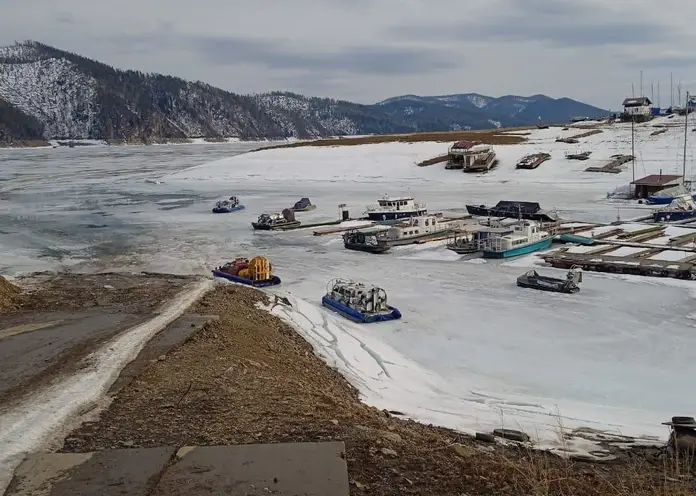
<point x="365" y="51"/>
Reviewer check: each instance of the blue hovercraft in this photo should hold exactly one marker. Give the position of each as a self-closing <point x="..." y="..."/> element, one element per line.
<point x="227" y="206"/>
<point x="358" y="302"/>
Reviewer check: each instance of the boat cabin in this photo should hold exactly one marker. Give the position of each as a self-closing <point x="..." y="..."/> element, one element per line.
<point x="523" y="233"/>
<point x="456" y="152"/>
<point x="638" y="109"/>
<point x="389" y="208"/>
<point x="418" y="226"/>
<point x="477" y="156"/>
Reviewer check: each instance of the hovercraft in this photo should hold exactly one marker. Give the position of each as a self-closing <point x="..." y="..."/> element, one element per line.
<point x="569" y="285"/>
<point x="358" y="302"/>
<point x="227" y="206"/>
<point x="257" y="272"/>
<point x="276" y="221"/>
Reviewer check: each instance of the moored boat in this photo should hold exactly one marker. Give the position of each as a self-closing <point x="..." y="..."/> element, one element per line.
<point x="527" y="237"/>
<point x="514" y="210"/>
<point x="578" y="156"/>
<point x="303" y="205"/>
<point x="533" y="160"/>
<point x="358" y="302"/>
<point x="456" y="152"/>
<point x="371" y="239"/>
<point x="473" y="242"/>
<point x="682" y="208"/>
<point x="533" y="280"/>
<point x="393" y="208"/>
<point x="667" y="196"/>
<point x="226" y="206"/>
<point x="256" y="272"/>
<point x="276" y="221"/>
<point x="479" y="158"/>
<point x="379" y="239"/>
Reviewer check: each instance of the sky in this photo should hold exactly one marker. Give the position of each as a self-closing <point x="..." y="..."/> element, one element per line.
<point x="366" y="51"/>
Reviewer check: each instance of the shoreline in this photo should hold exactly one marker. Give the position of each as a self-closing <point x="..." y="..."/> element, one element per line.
<point x="54" y="143"/>
<point x="249" y="377"/>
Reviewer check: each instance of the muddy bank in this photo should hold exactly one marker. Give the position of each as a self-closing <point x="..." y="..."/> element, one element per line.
<point x="249" y="378"/>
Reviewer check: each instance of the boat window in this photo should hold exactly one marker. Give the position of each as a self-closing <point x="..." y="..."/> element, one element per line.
<point x="427" y="222"/>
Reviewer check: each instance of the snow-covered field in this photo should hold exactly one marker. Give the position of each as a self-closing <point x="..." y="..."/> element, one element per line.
<point x="473" y="351"/>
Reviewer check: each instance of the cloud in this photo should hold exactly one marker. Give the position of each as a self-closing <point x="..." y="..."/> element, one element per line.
<point x="558" y="23"/>
<point x="367" y="51"/>
<point x="351" y="59"/>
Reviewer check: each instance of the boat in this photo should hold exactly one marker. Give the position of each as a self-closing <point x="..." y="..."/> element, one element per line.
<point x="533" y="280"/>
<point x="455" y="154"/>
<point x="370" y="239"/>
<point x="379" y="239"/>
<point x="527" y="237"/>
<point x="358" y="302"/>
<point x="578" y="156"/>
<point x="533" y="160"/>
<point x="276" y="221"/>
<point x="393" y="208"/>
<point x="479" y="158"/>
<point x="514" y="210"/>
<point x="473" y="242"/>
<point x="667" y="196"/>
<point x="226" y="206"/>
<point x="257" y="272"/>
<point x="682" y="208"/>
<point x="304" y="205"/>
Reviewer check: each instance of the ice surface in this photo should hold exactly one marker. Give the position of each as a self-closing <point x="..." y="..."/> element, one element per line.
<point x="473" y="351"/>
<point x="672" y="255"/>
<point x="625" y="251"/>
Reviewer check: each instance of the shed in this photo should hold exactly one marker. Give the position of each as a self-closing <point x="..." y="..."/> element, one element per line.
<point x="654" y="183"/>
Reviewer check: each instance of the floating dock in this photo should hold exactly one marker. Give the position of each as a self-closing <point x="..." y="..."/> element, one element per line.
<point x="613" y="166"/>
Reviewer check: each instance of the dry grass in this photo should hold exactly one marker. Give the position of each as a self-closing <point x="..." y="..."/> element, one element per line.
<point x="250" y="378"/>
<point x="10" y="296"/>
<point x="487" y="136"/>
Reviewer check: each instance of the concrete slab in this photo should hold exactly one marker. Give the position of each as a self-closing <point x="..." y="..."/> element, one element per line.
<point x="289" y="469"/>
<point x="33" y="346"/>
<point x="172" y="336"/>
<point x="132" y="472"/>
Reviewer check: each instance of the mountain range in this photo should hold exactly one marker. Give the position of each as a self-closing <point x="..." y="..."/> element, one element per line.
<point x="47" y="93"/>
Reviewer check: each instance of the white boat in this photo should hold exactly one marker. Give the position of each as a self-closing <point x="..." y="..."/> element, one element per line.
<point x="393" y="208"/>
<point x="526" y="237"/>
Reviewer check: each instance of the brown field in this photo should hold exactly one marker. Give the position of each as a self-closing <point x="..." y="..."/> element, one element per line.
<point x="250" y="378"/>
<point x="486" y="136"/>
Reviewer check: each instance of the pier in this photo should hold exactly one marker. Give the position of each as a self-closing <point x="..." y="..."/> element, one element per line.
<point x="612" y="167"/>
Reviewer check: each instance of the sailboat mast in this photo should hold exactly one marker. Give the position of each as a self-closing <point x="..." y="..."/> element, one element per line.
<point x="671" y="91"/>
<point x="633" y="147"/>
<point x="686" y="127"/>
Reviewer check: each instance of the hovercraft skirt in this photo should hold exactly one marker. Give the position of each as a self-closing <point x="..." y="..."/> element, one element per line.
<point x="273" y="281"/>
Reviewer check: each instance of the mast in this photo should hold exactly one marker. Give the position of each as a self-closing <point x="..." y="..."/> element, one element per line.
<point x="633" y="147"/>
<point x="658" y="95"/>
<point x="686" y="127"/>
<point x="641" y="84"/>
<point x="671" y="91"/>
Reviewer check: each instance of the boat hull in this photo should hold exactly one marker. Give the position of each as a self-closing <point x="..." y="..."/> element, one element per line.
<point x="663" y="200"/>
<point x="277" y="227"/>
<point x="273" y="281"/>
<point x="305" y="209"/>
<point x="483" y="211"/>
<point x="404" y="214"/>
<point x="558" y="287"/>
<point x="674" y="216"/>
<point x="359" y="317"/>
<point x="521" y="250"/>
<point x="381" y="248"/>
<point x="227" y="210"/>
